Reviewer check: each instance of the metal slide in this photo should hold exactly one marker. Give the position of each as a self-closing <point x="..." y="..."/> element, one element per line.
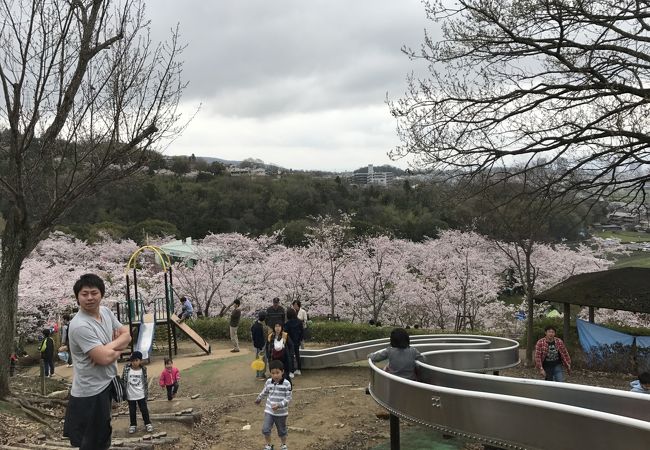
<point x="457" y="396"/>
<point x="145" y="335"/>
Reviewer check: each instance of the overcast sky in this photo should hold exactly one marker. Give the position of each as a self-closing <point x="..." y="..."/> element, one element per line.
<point x="301" y="84"/>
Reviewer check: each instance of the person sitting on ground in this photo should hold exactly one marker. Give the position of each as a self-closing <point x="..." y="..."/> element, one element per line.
<point x="401" y="356"/>
<point x="187" y="311"/>
<point x="277" y="391"/>
<point x="642" y="385"/>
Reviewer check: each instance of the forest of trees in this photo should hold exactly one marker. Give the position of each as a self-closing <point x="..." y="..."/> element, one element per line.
<point x="214" y="202"/>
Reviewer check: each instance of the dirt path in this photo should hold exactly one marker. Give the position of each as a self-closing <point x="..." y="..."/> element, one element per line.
<point x="330" y="409"/>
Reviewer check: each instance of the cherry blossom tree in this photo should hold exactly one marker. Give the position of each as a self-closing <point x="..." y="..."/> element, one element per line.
<point x="226" y="266"/>
<point x="461" y="270"/>
<point x="329" y="242"/>
<point x="45" y="290"/>
<point x="294" y="277"/>
<point x="540" y="266"/>
<point x="371" y="276"/>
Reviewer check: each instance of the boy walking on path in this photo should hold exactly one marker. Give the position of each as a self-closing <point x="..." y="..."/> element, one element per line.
<point x="277" y="391"/>
<point x="235" y="315"/>
<point x="96" y="340"/>
<point x="47" y="353"/>
<point x="135" y="378"/>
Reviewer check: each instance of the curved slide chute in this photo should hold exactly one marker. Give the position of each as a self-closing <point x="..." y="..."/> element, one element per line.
<point x="457" y="395"/>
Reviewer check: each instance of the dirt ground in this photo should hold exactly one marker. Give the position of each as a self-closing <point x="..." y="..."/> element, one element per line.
<point x="330" y="409"/>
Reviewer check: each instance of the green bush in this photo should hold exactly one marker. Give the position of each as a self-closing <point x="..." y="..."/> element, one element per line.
<point x="219" y="328"/>
<point x="336" y="332"/>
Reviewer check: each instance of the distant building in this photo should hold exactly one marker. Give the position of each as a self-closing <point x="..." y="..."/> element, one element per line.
<point x="372" y="177"/>
<point x="620" y="217"/>
<point x="252" y="172"/>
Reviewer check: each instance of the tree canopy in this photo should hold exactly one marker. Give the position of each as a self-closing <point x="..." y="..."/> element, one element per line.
<point x="85" y="96"/>
<point x="554" y="84"/>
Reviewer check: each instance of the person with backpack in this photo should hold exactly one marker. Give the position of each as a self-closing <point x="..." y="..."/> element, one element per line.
<point x="47" y="354"/>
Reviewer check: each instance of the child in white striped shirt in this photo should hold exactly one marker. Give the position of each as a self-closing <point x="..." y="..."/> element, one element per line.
<point x="278" y="392"/>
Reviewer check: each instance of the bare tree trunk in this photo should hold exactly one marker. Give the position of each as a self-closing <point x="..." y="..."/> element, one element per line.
<point x="333" y="279"/>
<point x="15" y="248"/>
<point x="530" y="294"/>
<point x="529" y="329"/>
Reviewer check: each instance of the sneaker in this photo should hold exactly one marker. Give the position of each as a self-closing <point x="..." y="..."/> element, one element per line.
<point x="283" y="447"/>
<point x="69" y="365"/>
<point x="298" y="372"/>
<point x="290" y="374"/>
<point x="149" y="428"/>
<point x="132" y="429"/>
<point x="268" y="447"/>
<point x="234" y="350"/>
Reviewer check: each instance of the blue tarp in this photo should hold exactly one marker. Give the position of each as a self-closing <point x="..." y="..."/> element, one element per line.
<point x="593" y="336"/>
<point x="643" y="341"/>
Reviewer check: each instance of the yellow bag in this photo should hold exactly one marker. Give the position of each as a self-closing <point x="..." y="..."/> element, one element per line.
<point x="258" y="365"/>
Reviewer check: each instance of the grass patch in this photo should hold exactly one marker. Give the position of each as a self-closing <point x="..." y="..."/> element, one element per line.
<point x="204" y="372"/>
<point x="625" y="236"/>
<point x="634" y="259"/>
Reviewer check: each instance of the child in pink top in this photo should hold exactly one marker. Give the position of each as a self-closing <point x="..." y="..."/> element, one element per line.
<point x="169" y="378"/>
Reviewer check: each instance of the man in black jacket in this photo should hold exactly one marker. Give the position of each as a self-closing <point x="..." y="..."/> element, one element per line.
<point x="275" y="314"/>
<point x="259" y="334"/>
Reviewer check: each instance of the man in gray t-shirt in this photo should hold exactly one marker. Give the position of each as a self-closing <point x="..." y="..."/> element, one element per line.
<point x="86" y="333"/>
<point x="96" y="340"/>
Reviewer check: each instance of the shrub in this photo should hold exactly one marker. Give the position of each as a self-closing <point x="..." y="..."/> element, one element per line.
<point x="334" y="332"/>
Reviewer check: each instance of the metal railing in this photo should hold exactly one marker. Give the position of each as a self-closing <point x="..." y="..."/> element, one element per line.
<point x="457" y="395"/>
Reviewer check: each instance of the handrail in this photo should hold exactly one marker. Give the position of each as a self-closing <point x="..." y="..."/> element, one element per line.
<point x="457" y="395"/>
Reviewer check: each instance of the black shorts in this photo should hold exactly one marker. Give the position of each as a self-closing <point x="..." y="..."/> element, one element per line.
<point x="88" y="421"/>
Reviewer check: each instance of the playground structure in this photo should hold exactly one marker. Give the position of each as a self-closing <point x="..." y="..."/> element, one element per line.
<point x="134" y="312"/>
<point x="459" y="393"/>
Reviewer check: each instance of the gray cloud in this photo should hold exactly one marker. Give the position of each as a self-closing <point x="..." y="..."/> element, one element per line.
<point x="278" y="66"/>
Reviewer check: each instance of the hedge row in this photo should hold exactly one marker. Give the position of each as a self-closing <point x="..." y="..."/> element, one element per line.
<point x="337" y="332"/>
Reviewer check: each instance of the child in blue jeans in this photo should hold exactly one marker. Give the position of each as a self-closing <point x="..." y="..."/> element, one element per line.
<point x="277" y="390"/>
